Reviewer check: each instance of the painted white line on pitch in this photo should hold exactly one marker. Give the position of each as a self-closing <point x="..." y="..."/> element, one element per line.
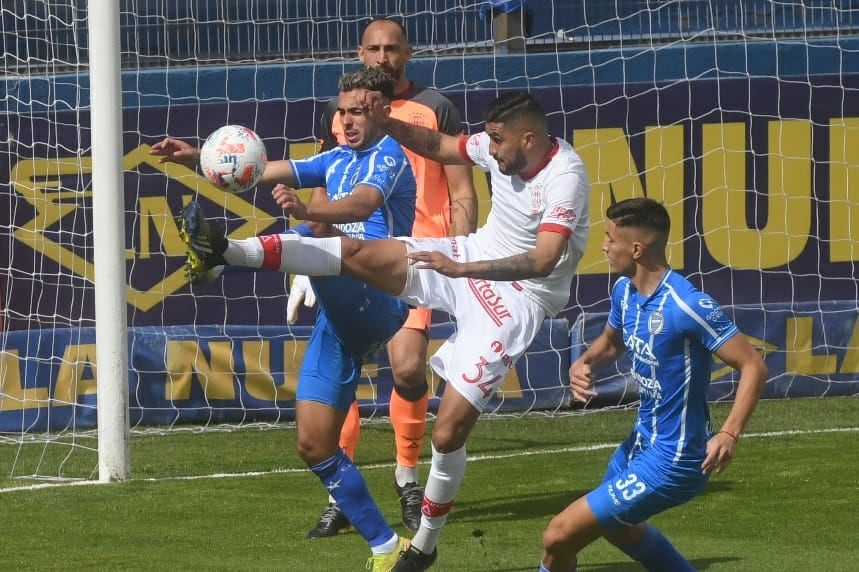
<point x="472" y="458"/>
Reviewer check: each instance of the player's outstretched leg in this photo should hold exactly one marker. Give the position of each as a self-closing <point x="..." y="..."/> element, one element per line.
<point x="205" y="244"/>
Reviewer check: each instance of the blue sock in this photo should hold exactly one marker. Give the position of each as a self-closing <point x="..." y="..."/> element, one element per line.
<point x="345" y="483"/>
<point x="655" y="552"/>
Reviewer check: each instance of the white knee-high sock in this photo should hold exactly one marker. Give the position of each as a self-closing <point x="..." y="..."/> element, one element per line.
<point x="443" y="482"/>
<point x="287" y="253"/>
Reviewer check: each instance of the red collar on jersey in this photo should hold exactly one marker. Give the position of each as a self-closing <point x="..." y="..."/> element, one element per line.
<point x="552" y="152"/>
<point x="408" y="92"/>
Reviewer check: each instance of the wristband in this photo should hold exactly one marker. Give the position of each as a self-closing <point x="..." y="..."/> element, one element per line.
<point x="729" y="434"/>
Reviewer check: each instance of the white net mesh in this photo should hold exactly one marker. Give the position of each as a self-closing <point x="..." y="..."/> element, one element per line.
<point x="739" y="115"/>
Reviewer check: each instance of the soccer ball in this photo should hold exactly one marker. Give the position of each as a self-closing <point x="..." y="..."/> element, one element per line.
<point x="233" y="158"/>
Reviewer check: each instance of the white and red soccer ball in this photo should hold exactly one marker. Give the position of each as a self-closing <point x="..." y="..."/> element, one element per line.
<point x="233" y="158"/>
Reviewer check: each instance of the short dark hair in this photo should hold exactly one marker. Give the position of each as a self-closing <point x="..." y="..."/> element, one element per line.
<point x="640" y="212"/>
<point x="393" y="21"/>
<point x="367" y="78"/>
<point x="516" y="105"/>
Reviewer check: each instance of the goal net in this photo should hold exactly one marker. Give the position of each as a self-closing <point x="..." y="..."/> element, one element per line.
<point x="740" y="116"/>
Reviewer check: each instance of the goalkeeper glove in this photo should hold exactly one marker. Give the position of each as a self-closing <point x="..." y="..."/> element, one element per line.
<point x="301" y="291"/>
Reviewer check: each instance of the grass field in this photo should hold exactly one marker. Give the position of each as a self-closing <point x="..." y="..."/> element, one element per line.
<point x="241" y="500"/>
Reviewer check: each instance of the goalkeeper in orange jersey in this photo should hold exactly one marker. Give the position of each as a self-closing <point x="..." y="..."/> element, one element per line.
<point x="446" y="201"/>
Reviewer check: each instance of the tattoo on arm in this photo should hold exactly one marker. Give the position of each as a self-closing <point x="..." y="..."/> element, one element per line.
<point x="421" y="140"/>
<point x="433" y="142"/>
<point x="463" y="216"/>
<point x="518" y="267"/>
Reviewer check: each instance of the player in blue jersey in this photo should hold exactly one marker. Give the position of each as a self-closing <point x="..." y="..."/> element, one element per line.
<point x="366" y="191"/>
<point x="670" y="331"/>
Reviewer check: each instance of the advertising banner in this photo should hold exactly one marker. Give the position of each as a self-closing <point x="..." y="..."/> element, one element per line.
<point x="232" y="374"/>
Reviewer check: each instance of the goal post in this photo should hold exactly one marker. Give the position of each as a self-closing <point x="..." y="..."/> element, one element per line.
<point x="108" y="211"/>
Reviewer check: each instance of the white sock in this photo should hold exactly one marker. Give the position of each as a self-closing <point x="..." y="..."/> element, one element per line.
<point x="298" y="254"/>
<point x="443" y="482"/>
<point x="247" y="252"/>
<point x="405" y="475"/>
<point x="386" y="547"/>
<point x="311" y="256"/>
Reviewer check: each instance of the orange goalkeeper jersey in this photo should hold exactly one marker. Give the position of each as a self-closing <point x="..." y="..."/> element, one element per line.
<point x="428" y="108"/>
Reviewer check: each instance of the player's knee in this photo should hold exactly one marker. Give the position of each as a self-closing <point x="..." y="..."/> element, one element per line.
<point x="312" y="451"/>
<point x="556" y="537"/>
<point x="409" y="369"/>
<point x="448" y="438"/>
<point x="412" y="392"/>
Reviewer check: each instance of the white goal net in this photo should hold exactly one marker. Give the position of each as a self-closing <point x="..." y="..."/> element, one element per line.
<point x="742" y="116"/>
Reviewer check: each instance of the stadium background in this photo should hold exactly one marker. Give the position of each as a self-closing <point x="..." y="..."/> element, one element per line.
<point x="679" y="104"/>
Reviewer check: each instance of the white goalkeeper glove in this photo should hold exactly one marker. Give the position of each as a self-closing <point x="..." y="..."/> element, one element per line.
<point x="301" y="291"/>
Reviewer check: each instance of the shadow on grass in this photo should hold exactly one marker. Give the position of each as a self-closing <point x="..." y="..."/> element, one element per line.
<point x="538" y="505"/>
<point x="629" y="566"/>
<point x="522" y="507"/>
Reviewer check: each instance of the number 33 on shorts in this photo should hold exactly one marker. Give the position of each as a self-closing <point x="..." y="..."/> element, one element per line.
<point x="630" y="487"/>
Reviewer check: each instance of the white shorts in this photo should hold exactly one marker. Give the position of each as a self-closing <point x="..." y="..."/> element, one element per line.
<point x="495" y="321"/>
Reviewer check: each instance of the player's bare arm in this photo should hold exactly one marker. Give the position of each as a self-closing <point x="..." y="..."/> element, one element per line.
<point x="742" y="356"/>
<point x="424" y="141"/>
<point x="278" y="172"/>
<point x="463" y="199"/>
<point x="602" y="352"/>
<point x="175" y="151"/>
<point x="356" y="207"/>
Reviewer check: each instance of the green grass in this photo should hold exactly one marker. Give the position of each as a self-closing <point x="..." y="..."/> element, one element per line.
<point x="788" y="502"/>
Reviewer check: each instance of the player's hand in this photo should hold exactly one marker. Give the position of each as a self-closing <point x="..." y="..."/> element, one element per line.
<point x="438" y="262"/>
<point x="582" y="381"/>
<point x="287" y="198"/>
<point x="175" y="151"/>
<point x="301" y="291"/>
<point x="720" y="452"/>
<point x="373" y="105"/>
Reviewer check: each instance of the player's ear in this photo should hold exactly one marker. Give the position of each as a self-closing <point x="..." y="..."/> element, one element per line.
<point x="387" y="108"/>
<point x="528" y="139"/>
<point x="638" y="250"/>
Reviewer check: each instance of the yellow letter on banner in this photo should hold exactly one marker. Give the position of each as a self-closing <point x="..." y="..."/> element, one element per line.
<point x="726" y="194"/>
<point x="185" y="359"/>
<point x="155" y="212"/>
<point x="799" y="350"/>
<point x="13" y="396"/>
<point x="71" y="383"/>
<point x="843" y="204"/>
<point x="615" y="176"/>
<point x="259" y="381"/>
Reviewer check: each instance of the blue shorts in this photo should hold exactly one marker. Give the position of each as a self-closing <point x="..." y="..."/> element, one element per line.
<point x="354" y="322"/>
<point x="641" y="483"/>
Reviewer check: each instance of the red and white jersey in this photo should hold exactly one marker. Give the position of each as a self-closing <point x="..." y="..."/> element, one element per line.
<point x="553" y="198"/>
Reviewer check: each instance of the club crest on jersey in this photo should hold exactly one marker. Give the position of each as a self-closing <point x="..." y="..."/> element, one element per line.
<point x="417" y="119"/>
<point x="537" y="198"/>
<point x="655" y="322"/>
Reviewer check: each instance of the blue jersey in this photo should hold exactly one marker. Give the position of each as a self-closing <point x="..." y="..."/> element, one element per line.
<point x="670" y="337"/>
<point x="382" y="165"/>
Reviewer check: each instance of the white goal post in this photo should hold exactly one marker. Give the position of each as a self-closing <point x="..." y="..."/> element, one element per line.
<point x="108" y="241"/>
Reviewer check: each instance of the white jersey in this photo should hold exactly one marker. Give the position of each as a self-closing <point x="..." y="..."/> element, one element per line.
<point x="554" y="198"/>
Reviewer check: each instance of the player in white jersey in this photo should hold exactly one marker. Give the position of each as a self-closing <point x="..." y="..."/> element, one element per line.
<point x="499" y="283"/>
<point x="670" y="330"/>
